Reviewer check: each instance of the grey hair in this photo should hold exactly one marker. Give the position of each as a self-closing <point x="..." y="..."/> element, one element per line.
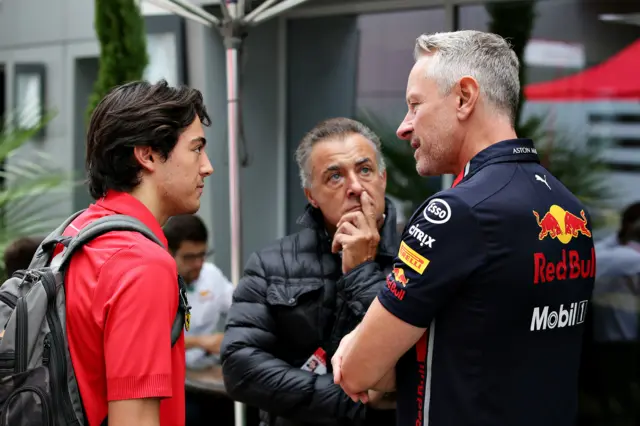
<point x="334" y="128"/>
<point x="484" y="56"/>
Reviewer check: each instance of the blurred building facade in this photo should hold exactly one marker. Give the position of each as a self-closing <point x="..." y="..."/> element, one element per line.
<point x="324" y="58"/>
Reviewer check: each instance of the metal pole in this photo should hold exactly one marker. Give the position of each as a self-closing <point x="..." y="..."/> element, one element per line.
<point x="196" y="10"/>
<point x="234" y="175"/>
<point x="178" y="10"/>
<point x="232" y="43"/>
<point x="258" y="10"/>
<point x="234" y="186"/>
<point x="275" y="10"/>
<point x="447" y="181"/>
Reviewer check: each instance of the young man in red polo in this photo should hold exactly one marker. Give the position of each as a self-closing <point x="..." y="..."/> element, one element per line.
<point x="146" y="159"/>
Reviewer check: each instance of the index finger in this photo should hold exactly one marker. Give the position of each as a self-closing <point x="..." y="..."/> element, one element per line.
<point x="369" y="209"/>
<point x="336" y="363"/>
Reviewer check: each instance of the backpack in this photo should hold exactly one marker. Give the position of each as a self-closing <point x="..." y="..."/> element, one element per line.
<point x="38" y="386"/>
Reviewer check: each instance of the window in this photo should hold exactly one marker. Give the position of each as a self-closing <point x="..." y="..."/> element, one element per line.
<point x="29" y="90"/>
<point x="386" y="57"/>
<point x="161" y="48"/>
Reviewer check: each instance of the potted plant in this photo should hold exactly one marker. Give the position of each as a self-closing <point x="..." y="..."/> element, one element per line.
<point x="30" y="185"/>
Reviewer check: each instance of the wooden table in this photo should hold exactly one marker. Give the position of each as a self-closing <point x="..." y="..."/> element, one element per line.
<point x="206" y="380"/>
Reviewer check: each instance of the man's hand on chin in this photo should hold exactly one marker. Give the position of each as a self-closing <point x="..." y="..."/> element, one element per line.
<point x="357" y="235"/>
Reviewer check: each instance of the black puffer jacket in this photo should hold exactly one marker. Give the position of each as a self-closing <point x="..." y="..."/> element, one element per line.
<point x="292" y="300"/>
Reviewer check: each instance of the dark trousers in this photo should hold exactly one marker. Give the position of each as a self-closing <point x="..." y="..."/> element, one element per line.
<point x="210" y="409"/>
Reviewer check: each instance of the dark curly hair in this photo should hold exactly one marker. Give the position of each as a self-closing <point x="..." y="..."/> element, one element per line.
<point x="136" y="114"/>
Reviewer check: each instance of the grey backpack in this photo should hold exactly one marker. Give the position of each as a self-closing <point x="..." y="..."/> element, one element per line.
<point x="37" y="383"/>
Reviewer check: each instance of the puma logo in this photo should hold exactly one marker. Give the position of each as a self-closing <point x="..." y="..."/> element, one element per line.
<point x="543" y="180"/>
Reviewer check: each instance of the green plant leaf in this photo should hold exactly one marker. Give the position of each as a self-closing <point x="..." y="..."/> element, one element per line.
<point x="121" y="32"/>
<point x="32" y="184"/>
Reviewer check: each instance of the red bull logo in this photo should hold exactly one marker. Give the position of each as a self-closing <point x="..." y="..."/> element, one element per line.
<point x="562" y="225"/>
<point x="398" y="274"/>
<point x="395" y="289"/>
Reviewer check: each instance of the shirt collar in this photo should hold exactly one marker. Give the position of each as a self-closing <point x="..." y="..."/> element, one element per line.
<point x="126" y="204"/>
<point x="511" y="150"/>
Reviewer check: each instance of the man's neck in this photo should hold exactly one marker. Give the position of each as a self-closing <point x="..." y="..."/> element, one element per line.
<point x="150" y="201"/>
<point x="481" y="138"/>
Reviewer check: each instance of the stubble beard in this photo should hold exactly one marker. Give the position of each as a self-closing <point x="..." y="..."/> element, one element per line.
<point x="432" y="162"/>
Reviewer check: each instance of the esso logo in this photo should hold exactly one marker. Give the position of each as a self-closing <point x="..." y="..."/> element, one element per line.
<point x="437" y="211"/>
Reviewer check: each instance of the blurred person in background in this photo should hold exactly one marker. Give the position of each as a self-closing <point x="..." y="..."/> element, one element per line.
<point x="618" y="254"/>
<point x="629" y="216"/>
<point x="19" y="253"/>
<point x="209" y="294"/>
<point x="616" y="296"/>
<point x="610" y="371"/>
<point x="300" y="295"/>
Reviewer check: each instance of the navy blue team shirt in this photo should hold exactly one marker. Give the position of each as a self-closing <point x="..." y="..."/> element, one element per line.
<point x="499" y="269"/>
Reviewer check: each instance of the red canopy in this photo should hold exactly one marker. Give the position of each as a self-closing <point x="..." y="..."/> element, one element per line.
<point x="617" y="78"/>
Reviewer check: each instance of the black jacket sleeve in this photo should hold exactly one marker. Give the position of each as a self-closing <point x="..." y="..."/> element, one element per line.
<point x="360" y="286"/>
<point x="252" y="375"/>
<point x="356" y="291"/>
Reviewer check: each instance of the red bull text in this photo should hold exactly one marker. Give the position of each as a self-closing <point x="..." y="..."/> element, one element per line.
<point x="563" y="226"/>
<point x="571" y="267"/>
<point x="394" y="288"/>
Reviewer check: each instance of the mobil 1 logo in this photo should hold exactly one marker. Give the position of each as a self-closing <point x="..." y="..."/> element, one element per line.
<point x="547" y="318"/>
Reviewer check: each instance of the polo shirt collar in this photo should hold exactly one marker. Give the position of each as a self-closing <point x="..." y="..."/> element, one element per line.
<point x="511" y="150"/>
<point x="126" y="204"/>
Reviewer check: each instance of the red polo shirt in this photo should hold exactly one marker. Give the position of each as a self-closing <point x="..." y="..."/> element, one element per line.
<point x="121" y="300"/>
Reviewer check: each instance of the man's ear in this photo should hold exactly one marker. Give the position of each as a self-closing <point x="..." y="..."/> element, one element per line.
<point x="468" y="92"/>
<point x="146" y="157"/>
<point x="384" y="179"/>
<point x="312" y="201"/>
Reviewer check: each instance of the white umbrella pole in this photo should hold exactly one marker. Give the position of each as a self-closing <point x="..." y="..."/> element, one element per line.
<point x="234" y="167"/>
<point x="447" y="181"/>
<point x="232" y="44"/>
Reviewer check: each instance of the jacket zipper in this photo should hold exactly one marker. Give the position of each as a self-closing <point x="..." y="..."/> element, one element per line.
<point x="60" y="365"/>
<point x="22" y="331"/>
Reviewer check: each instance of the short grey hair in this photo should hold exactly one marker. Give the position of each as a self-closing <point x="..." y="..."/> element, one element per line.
<point x="484" y="56"/>
<point x="334" y="128"/>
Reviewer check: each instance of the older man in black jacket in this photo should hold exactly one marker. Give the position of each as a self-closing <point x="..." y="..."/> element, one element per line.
<point x="302" y="294"/>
